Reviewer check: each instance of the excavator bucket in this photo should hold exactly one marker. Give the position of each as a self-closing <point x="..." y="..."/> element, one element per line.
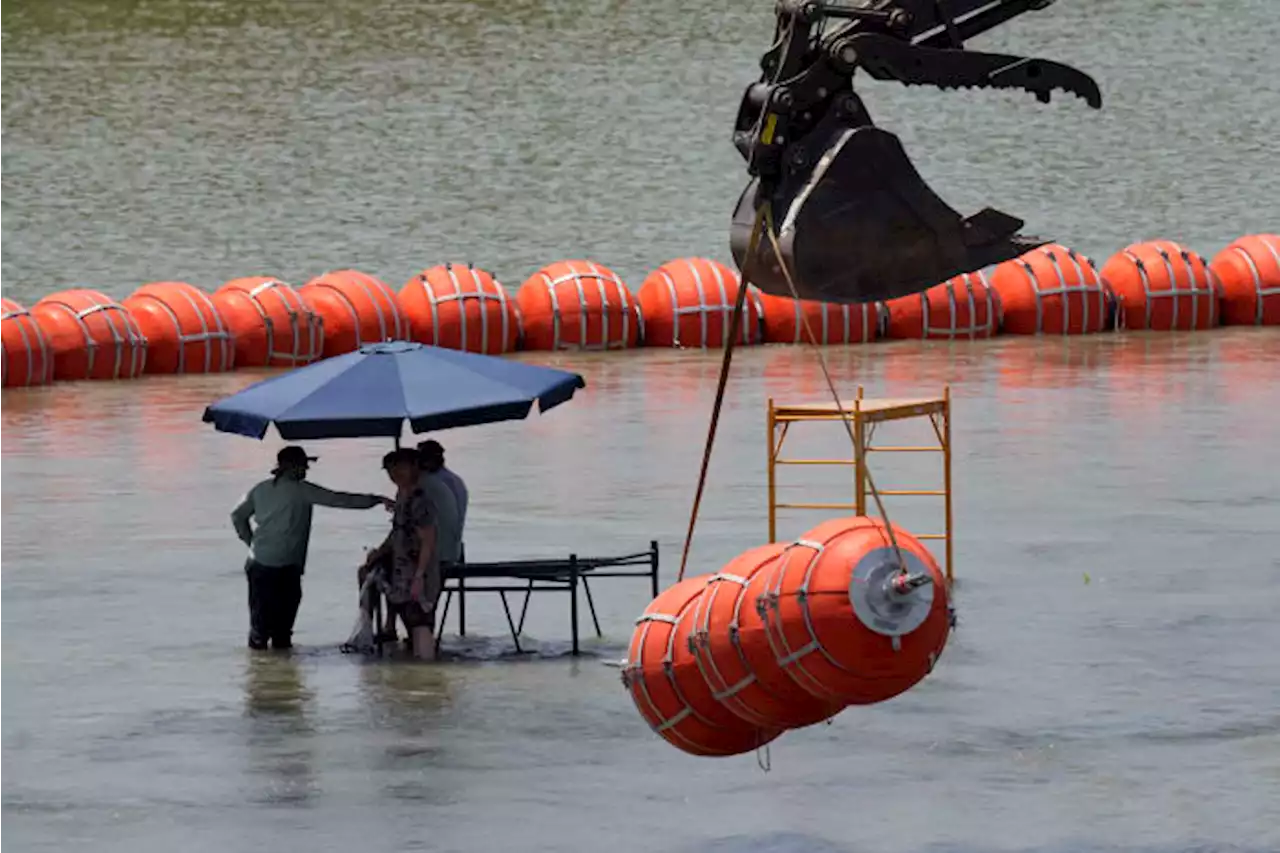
<point x="861" y="225"/>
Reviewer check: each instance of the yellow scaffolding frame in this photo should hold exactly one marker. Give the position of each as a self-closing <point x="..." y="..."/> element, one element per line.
<point x="863" y="416"/>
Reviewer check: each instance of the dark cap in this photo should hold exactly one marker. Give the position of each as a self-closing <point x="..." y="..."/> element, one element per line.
<point x="293" y="457"/>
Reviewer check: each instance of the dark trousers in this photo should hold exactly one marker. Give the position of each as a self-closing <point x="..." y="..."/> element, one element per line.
<point x="274" y="595"/>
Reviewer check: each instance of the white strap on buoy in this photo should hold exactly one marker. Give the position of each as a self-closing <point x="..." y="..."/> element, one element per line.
<point x="205" y="335"/>
<point x="131" y="334"/>
<point x="478" y="294"/>
<point x="1256" y="274"/>
<point x="602" y="278"/>
<point x="1063" y="289"/>
<point x="33" y="341"/>
<point x="1174" y="292"/>
<point x="314" y="328"/>
<point x="704" y="308"/>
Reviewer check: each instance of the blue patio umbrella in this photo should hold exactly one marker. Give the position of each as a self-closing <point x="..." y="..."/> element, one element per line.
<point x="373" y="391"/>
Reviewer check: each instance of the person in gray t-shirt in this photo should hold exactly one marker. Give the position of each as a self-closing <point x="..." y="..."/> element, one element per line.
<point x="282" y="506"/>
<point x="432" y="453"/>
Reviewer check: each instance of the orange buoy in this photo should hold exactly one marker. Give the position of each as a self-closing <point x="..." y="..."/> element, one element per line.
<point x="665" y="683"/>
<point x="783" y="321"/>
<point x="1162" y="286"/>
<point x="460" y="307"/>
<point x="689" y="303"/>
<point x="843" y="620"/>
<point x="732" y="649"/>
<point x="91" y="336"/>
<point x="270" y="323"/>
<point x="1051" y="290"/>
<point x="960" y="307"/>
<point x="357" y="309"/>
<point x="184" y="329"/>
<point x="27" y="357"/>
<point x="577" y="305"/>
<point x="1248" y="274"/>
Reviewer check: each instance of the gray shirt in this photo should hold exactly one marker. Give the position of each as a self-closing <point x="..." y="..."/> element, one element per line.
<point x="459" y="489"/>
<point x="448" y="522"/>
<point x="282" y="509"/>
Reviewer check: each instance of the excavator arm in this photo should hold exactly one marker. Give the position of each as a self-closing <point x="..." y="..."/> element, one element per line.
<point x="853" y="219"/>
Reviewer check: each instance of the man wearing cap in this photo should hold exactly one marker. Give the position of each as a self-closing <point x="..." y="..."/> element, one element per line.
<point x="282" y="506"/>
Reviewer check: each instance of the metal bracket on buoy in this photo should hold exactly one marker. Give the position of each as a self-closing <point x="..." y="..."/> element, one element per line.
<point x="885" y="599"/>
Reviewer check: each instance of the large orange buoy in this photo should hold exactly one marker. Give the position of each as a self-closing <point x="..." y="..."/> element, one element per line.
<point x="1162" y="286"/>
<point x="91" y="336"/>
<point x="843" y="620"/>
<point x="27" y="357"/>
<point x="1248" y="274"/>
<point x="357" y="309"/>
<point x="1051" y="290"/>
<point x="732" y="648"/>
<point x="783" y="321"/>
<point x="461" y="307"/>
<point x="960" y="307"/>
<point x="184" y="329"/>
<point x="577" y="305"/>
<point x="270" y="323"/>
<point x="667" y="687"/>
<point x="689" y="303"/>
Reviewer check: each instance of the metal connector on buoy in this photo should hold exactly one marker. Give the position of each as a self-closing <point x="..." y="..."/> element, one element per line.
<point x="905" y="584"/>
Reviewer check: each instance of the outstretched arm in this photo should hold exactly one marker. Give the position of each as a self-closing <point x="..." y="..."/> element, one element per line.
<point x="321" y="496"/>
<point x="240" y="518"/>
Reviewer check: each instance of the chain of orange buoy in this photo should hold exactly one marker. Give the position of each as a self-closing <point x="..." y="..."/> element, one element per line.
<point x="787" y="635"/>
<point x="84" y="334"/>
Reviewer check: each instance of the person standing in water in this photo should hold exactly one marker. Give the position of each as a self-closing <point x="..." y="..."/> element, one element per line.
<point x="282" y="506"/>
<point x="444" y="511"/>
<point x="409" y="557"/>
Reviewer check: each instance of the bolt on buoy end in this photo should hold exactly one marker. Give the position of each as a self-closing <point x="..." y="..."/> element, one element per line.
<point x="904" y="584"/>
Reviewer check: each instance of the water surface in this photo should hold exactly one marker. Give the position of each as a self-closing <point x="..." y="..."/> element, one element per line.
<point x="207" y="140"/>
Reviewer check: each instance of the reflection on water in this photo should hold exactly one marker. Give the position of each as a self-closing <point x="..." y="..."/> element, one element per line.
<point x="281" y="736"/>
<point x="275" y="689"/>
<point x="1050" y="363"/>
<point x="408" y="704"/>
<point x="409" y="695"/>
